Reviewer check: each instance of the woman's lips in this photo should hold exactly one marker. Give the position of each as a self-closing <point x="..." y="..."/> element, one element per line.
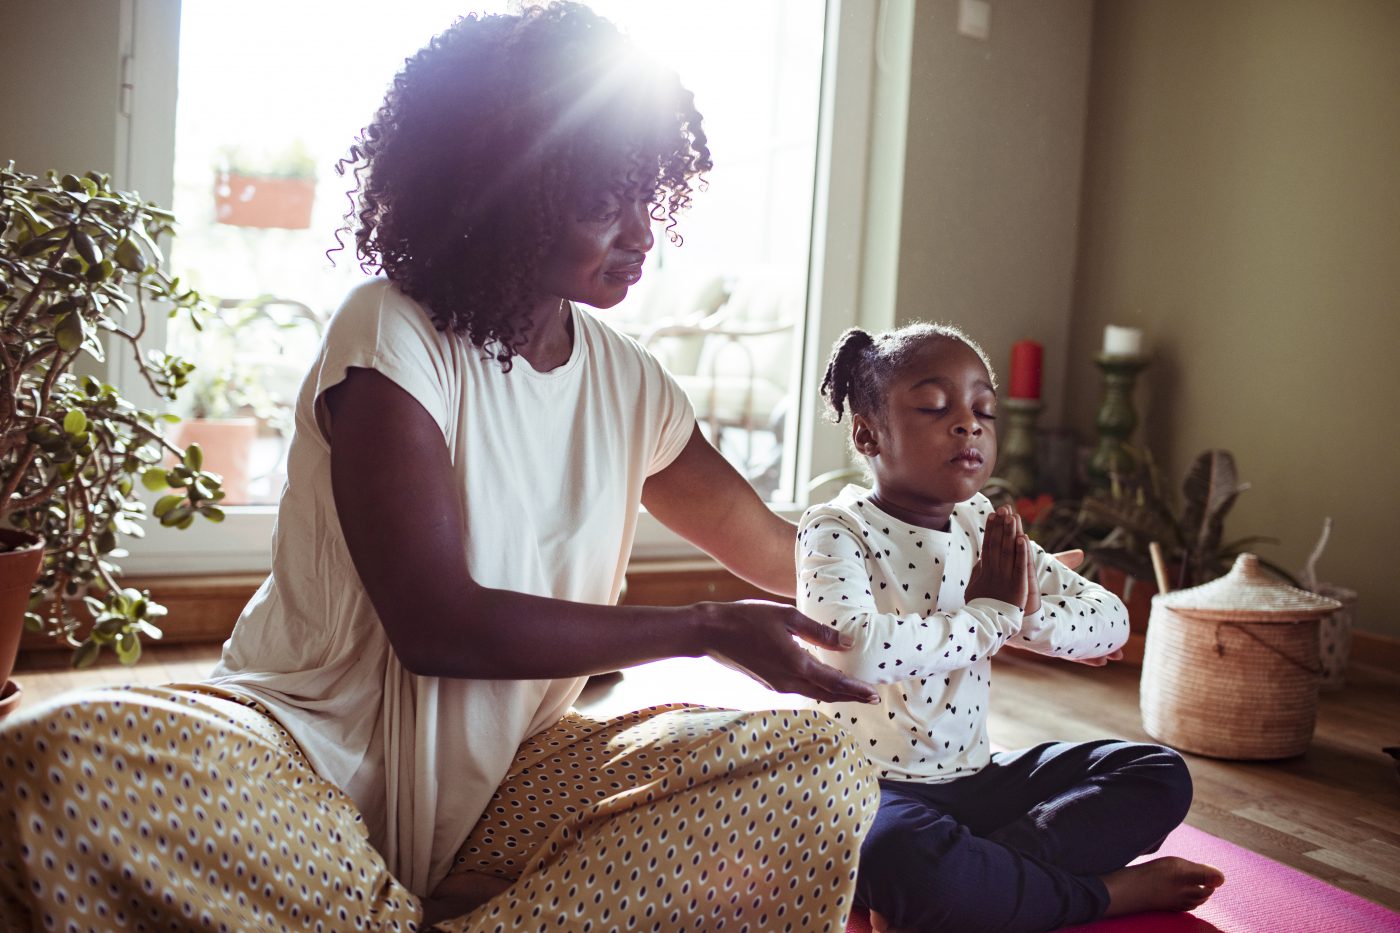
<point x="624" y="275"/>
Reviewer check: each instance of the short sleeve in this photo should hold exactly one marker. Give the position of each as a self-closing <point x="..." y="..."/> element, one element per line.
<point x="673" y="414"/>
<point x="378" y="328"/>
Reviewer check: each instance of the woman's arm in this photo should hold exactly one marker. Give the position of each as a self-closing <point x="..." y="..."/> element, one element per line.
<point x="702" y="498"/>
<point x="400" y="510"/>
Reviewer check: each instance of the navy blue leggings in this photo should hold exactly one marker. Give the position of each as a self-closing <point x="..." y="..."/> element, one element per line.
<point x="1020" y="845"/>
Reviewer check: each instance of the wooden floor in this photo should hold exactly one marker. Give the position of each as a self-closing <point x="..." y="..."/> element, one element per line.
<point x="1333" y="813"/>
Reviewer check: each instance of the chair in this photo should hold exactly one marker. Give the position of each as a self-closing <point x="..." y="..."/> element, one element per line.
<point x="736" y="363"/>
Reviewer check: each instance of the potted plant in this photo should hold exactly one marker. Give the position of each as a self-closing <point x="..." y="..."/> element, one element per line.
<point x="275" y="189"/>
<point x="80" y="271"/>
<point x="252" y="355"/>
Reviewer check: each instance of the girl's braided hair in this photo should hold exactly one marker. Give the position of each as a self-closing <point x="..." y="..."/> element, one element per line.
<point x="488" y="136"/>
<point x="861" y="367"/>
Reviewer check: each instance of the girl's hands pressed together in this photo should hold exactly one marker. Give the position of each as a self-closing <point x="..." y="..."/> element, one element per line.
<point x="1003" y="571"/>
<point x="755" y="637"/>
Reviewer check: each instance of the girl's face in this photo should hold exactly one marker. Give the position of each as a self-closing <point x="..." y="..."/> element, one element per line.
<point x="598" y="250"/>
<point x="936" y="444"/>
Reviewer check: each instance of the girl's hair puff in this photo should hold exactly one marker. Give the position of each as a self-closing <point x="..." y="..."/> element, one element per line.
<point x="861" y="367"/>
<point x="488" y="136"/>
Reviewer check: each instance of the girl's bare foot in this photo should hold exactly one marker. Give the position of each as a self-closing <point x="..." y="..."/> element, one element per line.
<point x="1167" y="883"/>
<point x="879" y="924"/>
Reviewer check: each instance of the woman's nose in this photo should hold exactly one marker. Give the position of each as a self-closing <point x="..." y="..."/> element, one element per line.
<point x="636" y="228"/>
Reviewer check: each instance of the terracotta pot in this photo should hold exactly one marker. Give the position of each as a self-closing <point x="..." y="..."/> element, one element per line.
<point x="21" y="557"/>
<point x="10" y="695"/>
<point x="1137" y="596"/>
<point x="228" y="451"/>
<point x="257" y="201"/>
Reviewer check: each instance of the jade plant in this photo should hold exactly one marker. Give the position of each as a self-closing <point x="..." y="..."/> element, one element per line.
<point x="81" y="274"/>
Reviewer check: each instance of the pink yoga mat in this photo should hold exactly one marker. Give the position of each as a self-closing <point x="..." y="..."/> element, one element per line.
<point x="1259" y="896"/>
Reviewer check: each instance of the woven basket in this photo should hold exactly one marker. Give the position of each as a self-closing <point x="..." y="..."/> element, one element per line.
<point x="1231" y="668"/>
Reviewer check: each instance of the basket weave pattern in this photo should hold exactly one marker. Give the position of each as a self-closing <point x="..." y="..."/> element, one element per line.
<point x="1231" y="668"/>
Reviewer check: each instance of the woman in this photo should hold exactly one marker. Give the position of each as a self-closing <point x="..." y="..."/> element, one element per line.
<point x="392" y="709"/>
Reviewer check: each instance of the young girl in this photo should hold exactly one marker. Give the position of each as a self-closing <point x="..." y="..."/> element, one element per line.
<point x="930" y="581"/>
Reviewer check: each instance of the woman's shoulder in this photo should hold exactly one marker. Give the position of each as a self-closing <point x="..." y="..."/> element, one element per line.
<point x="376" y="308"/>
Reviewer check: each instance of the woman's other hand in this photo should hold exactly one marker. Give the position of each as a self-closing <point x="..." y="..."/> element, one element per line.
<point x="756" y="637"/>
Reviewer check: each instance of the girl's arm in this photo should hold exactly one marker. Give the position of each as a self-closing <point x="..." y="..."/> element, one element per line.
<point x="834" y="587"/>
<point x="1077" y="619"/>
<point x="399" y="506"/>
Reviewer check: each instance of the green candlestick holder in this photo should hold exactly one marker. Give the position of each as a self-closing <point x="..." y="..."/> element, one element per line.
<point x="1016" y="460"/>
<point x="1116" y="419"/>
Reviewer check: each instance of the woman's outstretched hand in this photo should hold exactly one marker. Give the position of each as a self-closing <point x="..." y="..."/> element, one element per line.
<point x="755" y="637"/>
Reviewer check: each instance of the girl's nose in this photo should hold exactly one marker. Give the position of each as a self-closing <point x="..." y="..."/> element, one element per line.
<point x="968" y="426"/>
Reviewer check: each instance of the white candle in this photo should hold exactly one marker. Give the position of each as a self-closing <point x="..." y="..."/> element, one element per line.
<point x="1122" y="341"/>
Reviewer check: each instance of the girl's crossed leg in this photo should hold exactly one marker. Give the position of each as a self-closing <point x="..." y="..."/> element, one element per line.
<point x="1036" y="840"/>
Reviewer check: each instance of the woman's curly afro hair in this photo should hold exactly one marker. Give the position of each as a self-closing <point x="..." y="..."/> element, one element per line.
<point x="488" y="136"/>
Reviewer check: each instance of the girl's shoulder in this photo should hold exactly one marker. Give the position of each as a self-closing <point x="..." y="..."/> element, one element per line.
<point x="845" y="508"/>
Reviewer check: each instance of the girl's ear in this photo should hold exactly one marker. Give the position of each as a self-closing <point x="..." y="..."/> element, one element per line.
<point x="863" y="436"/>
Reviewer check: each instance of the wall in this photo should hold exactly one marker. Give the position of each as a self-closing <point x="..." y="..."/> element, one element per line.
<point x="1241" y="203"/>
<point x="992" y="174"/>
<point x="47" y="65"/>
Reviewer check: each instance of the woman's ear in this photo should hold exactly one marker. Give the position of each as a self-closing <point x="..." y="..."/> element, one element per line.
<point x="863" y="436"/>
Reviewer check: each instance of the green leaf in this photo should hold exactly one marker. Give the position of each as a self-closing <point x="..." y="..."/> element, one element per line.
<point x="69" y="332"/>
<point x="86" y="653"/>
<point x="128" y="648"/>
<point x="86" y="246"/>
<point x="154" y="479"/>
<point x="129" y="256"/>
<point x="214" y="513"/>
<point x="165" y="504"/>
<point x="75" y="422"/>
<point x="194" y="457"/>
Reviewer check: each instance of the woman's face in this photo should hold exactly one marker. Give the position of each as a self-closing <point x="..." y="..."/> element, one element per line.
<point x="599" y="250"/>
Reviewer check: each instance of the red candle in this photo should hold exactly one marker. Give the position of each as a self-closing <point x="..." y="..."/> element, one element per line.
<point x="1025" y="369"/>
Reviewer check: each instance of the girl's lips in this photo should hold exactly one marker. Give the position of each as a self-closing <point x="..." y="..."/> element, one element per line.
<point x="969" y="457"/>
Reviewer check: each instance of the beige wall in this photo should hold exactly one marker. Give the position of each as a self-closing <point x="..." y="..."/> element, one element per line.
<point x="992" y="175"/>
<point x="1241" y="203"/>
<point x="49" y="64"/>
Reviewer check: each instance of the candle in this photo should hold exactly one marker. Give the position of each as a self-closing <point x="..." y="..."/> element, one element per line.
<point x="1122" y="341"/>
<point x="1025" y="369"/>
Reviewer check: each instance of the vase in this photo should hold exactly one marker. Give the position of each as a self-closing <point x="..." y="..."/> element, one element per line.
<point x="21" y="557"/>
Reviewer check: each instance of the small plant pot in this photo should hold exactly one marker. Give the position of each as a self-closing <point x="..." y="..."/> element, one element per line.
<point x="1136" y="594"/>
<point x="227" y="444"/>
<point x="260" y="201"/>
<point x="10" y="696"/>
<point x="21" y="557"/>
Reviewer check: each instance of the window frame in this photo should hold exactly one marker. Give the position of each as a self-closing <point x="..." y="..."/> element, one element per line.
<point x="854" y="250"/>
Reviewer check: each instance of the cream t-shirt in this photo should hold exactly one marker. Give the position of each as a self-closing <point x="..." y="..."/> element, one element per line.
<point x="551" y="467"/>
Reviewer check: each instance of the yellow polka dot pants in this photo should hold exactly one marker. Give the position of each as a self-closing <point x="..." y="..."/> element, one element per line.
<point x="173" y="809"/>
<point x="676" y="818"/>
<point x="157" y="808"/>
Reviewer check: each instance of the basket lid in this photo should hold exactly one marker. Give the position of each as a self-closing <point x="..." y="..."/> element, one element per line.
<point x="1249" y="593"/>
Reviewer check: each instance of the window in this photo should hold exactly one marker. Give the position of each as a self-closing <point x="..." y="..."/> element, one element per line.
<point x="743" y="313"/>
